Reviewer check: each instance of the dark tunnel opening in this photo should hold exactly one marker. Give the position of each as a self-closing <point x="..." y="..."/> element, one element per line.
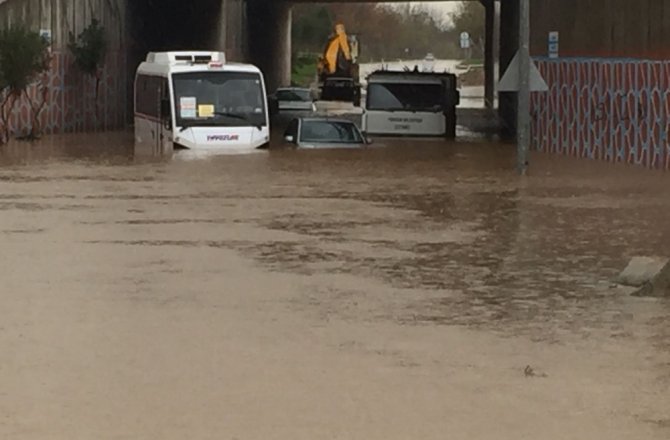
<point x="160" y="25"/>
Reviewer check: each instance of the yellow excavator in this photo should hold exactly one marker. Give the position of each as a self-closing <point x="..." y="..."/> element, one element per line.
<point x="338" y="69"/>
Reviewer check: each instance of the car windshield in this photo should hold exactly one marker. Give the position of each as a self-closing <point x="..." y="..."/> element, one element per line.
<point x="219" y="99"/>
<point x="405" y="96"/>
<point x="330" y="131"/>
<point x="293" y="95"/>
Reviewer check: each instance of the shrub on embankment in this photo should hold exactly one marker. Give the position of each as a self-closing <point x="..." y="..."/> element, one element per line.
<point x="303" y="69"/>
<point x="89" y="49"/>
<point x="24" y="58"/>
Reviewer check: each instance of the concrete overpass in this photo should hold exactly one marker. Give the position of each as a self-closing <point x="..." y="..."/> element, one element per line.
<point x="265" y="31"/>
<point x="267" y="39"/>
<point x="258" y="31"/>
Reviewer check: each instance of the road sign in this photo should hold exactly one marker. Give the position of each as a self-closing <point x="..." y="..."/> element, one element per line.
<point x="553" y="44"/>
<point x="46" y="34"/>
<point x="465" y="40"/>
<point x="510" y="80"/>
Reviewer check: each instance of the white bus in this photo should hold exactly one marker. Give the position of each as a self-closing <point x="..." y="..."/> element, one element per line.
<point x="198" y="101"/>
<point x="406" y="103"/>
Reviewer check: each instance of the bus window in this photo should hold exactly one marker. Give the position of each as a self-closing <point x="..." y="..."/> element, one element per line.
<point x="405" y="96"/>
<point x="219" y="99"/>
<point x="166" y="111"/>
<point x="147" y="95"/>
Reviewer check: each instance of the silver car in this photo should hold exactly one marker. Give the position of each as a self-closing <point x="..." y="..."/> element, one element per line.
<point x="295" y="99"/>
<point x="324" y="133"/>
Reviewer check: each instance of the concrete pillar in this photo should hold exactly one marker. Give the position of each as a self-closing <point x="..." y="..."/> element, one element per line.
<point x="269" y="34"/>
<point x="491" y="53"/>
<point x="219" y="35"/>
<point x="230" y="30"/>
<point x="509" y="44"/>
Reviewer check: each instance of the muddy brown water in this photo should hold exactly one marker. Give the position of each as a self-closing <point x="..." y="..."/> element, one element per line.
<point x="397" y="292"/>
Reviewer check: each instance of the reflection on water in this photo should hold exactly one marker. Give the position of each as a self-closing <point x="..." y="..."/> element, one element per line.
<point x="415" y="214"/>
<point x="182" y="155"/>
<point x="108" y="147"/>
<point x="448" y="230"/>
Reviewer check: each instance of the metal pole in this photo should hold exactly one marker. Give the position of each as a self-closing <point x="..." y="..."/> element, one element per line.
<point x="523" y="107"/>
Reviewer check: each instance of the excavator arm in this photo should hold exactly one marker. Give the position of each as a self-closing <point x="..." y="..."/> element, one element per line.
<point x="337" y="68"/>
<point x="338" y="43"/>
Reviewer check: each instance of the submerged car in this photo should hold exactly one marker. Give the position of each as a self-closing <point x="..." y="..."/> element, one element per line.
<point x="294" y="99"/>
<point x="324" y="133"/>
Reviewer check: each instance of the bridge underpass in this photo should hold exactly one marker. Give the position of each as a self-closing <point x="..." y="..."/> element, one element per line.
<point x="186" y="25"/>
<point x="269" y="24"/>
<point x="259" y="31"/>
<point x="612" y="57"/>
<point x="277" y="59"/>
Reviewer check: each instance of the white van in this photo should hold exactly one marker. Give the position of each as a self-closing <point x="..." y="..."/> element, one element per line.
<point x="406" y="103"/>
<point x="198" y="101"/>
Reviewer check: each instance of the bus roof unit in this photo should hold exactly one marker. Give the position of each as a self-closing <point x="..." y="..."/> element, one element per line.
<point x="186" y="58"/>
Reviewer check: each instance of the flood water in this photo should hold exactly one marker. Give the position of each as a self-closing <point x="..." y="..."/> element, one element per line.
<point x="393" y="293"/>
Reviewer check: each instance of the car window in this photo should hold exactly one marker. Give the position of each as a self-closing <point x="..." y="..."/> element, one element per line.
<point x="330" y="131"/>
<point x="304" y="95"/>
<point x="293" y="95"/>
<point x="285" y="95"/>
<point x="405" y="96"/>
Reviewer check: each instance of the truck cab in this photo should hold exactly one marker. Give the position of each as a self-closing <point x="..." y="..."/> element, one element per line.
<point x="401" y="103"/>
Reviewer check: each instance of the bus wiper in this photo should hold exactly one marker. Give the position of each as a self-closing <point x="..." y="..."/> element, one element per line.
<point x="194" y="124"/>
<point x="241" y="117"/>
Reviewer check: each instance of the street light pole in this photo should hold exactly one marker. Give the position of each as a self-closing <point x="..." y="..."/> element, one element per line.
<point x="523" y="107"/>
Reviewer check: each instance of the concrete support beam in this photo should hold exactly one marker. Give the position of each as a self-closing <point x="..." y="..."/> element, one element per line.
<point x="491" y="54"/>
<point x="218" y="38"/>
<point x="270" y="40"/>
<point x="230" y="30"/>
<point x="509" y="45"/>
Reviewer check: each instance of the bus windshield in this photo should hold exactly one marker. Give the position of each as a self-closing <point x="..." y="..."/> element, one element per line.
<point x="405" y="97"/>
<point x="230" y="99"/>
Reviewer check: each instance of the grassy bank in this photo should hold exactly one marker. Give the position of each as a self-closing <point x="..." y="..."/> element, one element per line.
<point x="303" y="70"/>
<point x="471" y="63"/>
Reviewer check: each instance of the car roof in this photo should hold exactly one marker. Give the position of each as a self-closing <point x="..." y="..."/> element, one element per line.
<point x="325" y="119"/>
<point x="408" y="76"/>
<point x="293" y="88"/>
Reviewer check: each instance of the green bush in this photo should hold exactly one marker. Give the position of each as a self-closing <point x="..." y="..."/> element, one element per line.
<point x="24" y="55"/>
<point x="303" y="69"/>
<point x="89" y="48"/>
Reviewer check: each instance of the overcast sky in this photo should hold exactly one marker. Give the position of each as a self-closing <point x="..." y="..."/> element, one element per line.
<point x="442" y="8"/>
